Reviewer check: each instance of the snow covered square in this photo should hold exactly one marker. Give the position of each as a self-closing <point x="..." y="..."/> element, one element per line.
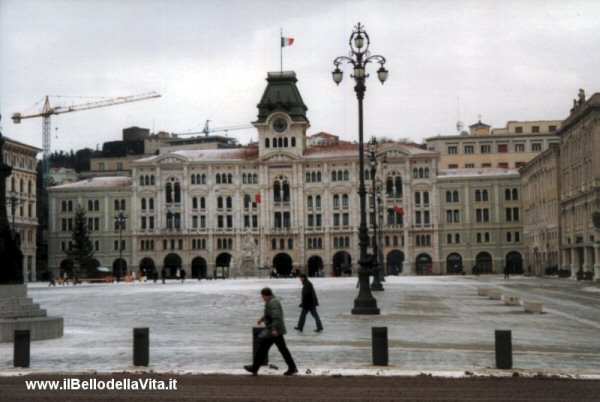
<point x="435" y="325"/>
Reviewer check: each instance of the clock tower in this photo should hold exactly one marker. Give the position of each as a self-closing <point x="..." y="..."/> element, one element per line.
<point x="282" y="121"/>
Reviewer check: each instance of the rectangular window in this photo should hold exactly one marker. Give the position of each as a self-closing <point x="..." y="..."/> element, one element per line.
<point x="426" y="218"/>
<point x="418" y="217"/>
<point x="486" y="149"/>
<point x="519" y="130"/>
<point x="229" y="221"/>
<point x="502" y="148"/>
<point x="452" y="150"/>
<point x="254" y="221"/>
<point x="452" y="166"/>
<point x="503" y="165"/>
<point x="552" y="128"/>
<point x="194" y="222"/>
<point x="519" y="164"/>
<point x="311" y="220"/>
<point x="519" y="147"/>
<point x="318" y="222"/>
<point x="469" y="165"/>
<point x="221" y="221"/>
<point x="535" y="129"/>
<point x="151" y="222"/>
<point x="486" y="165"/>
<point x="469" y="149"/>
<point x="143" y="222"/>
<point x="336" y="219"/>
<point x="536" y="147"/>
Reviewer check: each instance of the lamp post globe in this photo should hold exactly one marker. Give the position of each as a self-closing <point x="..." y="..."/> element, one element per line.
<point x="359" y="57"/>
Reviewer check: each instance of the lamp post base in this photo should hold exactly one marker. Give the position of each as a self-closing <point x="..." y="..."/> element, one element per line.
<point x="377" y="287"/>
<point x="365" y="303"/>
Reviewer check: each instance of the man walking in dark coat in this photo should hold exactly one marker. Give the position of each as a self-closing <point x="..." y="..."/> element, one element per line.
<point x="309" y="304"/>
<point x="272" y="334"/>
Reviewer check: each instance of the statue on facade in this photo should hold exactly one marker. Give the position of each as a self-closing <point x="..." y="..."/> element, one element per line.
<point x="11" y="257"/>
<point x="249" y="262"/>
<point x="581" y="96"/>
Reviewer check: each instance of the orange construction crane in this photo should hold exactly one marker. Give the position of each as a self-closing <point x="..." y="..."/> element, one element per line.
<point x="48" y="111"/>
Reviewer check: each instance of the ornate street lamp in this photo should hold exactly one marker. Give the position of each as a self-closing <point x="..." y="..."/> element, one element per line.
<point x="120" y="223"/>
<point x="359" y="57"/>
<point x="377" y="266"/>
<point x="14" y="202"/>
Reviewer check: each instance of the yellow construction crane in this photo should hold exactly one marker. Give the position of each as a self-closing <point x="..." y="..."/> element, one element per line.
<point x="48" y="111"/>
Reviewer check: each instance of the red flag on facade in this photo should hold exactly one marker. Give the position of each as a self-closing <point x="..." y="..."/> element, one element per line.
<point x="399" y="210"/>
<point x="258" y="198"/>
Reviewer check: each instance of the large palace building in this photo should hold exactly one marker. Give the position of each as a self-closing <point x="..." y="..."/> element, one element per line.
<point x="294" y="200"/>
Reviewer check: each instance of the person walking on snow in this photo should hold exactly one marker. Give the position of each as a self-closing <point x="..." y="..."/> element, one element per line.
<point x="272" y="334"/>
<point x="309" y="304"/>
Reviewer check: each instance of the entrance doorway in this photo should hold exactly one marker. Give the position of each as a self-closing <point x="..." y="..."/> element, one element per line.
<point x="283" y="264"/>
<point x="315" y="266"/>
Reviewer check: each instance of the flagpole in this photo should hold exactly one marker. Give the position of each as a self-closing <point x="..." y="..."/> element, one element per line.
<point x="281" y="51"/>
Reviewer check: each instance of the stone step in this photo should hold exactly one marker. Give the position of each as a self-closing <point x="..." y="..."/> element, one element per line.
<point x="40" y="327"/>
<point x="15" y="301"/>
<point x="20" y="313"/>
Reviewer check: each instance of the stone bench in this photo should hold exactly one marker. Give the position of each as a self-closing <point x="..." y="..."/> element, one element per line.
<point x="482" y="291"/>
<point x="511" y="300"/>
<point x="494" y="294"/>
<point x="533" y="307"/>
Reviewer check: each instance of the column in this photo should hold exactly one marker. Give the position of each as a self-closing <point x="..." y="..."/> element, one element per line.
<point x="574" y="266"/>
<point x="586" y="260"/>
<point x="597" y="262"/>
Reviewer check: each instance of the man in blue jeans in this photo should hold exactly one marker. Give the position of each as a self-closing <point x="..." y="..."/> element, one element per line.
<point x="309" y="304"/>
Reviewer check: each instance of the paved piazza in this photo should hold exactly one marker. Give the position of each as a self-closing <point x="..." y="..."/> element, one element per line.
<point x="435" y="324"/>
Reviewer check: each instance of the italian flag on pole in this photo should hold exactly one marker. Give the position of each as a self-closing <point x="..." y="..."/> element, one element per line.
<point x="286" y="41"/>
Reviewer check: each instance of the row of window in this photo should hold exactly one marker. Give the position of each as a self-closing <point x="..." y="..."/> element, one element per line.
<point x="423" y="240"/>
<point x="487" y="148"/>
<point x="313" y="177"/>
<point x="483" y="195"/>
<point x="280" y="142"/>
<point x="274" y="243"/>
<point x="13" y="185"/>
<point x="341" y="242"/>
<point x="315" y="243"/>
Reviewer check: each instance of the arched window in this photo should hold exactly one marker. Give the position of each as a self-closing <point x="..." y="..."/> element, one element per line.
<point x="340" y="175"/>
<point x="13" y="184"/>
<point x="193" y="179"/>
<point x="116" y="205"/>
<point x="267" y="142"/>
<point x="507" y="194"/>
<point x="194" y="203"/>
<point x="455" y="196"/>
<point x="143" y="203"/>
<point x="334" y="176"/>
<point x="448" y="196"/>
<point x="313" y="176"/>
<point x="318" y="201"/>
<point x="426" y="198"/>
<point x="484" y="195"/>
<point x="417" y="198"/>
<point x="280" y="142"/>
<point x="229" y="203"/>
<point x="449" y="238"/>
<point x="22" y="186"/>
<point x="96" y="205"/>
<point x="309" y="201"/>
<point x="477" y="195"/>
<point x="335" y="242"/>
<point x="274" y="142"/>
<point x="141" y="180"/>
<point x="273" y="244"/>
<point x="398" y="183"/>
<point x="286" y="191"/>
<point x="318" y="176"/>
<point x="345" y="200"/>
<point x="202" y="203"/>
<point x="229" y="178"/>
<point x="336" y="201"/>
<point x="152" y="180"/>
<point x="293" y="141"/>
<point x="307" y="177"/>
<point x="255" y="178"/>
<point x="218" y="178"/>
<point x="415" y="173"/>
<point x="123" y="205"/>
<point x="177" y="191"/>
<point x="151" y="203"/>
<point x="277" y="191"/>
<point x="389" y="186"/>
<point x="203" y="178"/>
<point x="515" y="194"/>
<point x="219" y="202"/>
<point x="421" y="173"/>
<point x="346" y="175"/>
<point x="426" y="172"/>
<point x="285" y="142"/>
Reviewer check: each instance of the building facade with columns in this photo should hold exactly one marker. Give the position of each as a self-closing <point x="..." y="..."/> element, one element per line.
<point x="541" y="206"/>
<point x="196" y="209"/>
<point x="21" y="193"/>
<point x="580" y="187"/>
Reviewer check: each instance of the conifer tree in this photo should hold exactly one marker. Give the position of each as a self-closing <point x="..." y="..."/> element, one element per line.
<point x="82" y="250"/>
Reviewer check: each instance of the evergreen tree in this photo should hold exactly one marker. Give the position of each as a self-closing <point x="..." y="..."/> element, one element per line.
<point x="81" y="252"/>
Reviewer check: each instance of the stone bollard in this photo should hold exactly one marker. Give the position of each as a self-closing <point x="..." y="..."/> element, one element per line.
<point x="141" y="346"/>
<point x="21" y="348"/>
<point x="380" y="346"/>
<point x="255" y="342"/>
<point x="503" y="349"/>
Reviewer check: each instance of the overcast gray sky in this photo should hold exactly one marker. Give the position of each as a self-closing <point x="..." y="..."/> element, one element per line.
<point x="503" y="60"/>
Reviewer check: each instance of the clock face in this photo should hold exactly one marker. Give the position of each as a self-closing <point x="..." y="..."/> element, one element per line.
<point x="280" y="125"/>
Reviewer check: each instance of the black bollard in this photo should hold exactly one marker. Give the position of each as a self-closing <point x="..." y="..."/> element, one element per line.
<point x="141" y="346"/>
<point x="503" y="349"/>
<point x="255" y="343"/>
<point x="380" y="346"/>
<point x="21" y="352"/>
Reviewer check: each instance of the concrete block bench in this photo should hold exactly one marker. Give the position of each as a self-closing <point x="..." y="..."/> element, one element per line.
<point x="494" y="294"/>
<point x="511" y="300"/>
<point x="533" y="307"/>
<point x="482" y="291"/>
